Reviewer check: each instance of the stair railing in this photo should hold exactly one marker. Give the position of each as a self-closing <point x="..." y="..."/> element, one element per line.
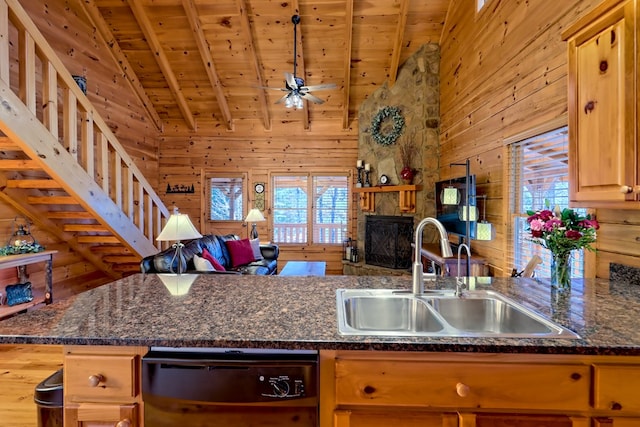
<point x="65" y="111"/>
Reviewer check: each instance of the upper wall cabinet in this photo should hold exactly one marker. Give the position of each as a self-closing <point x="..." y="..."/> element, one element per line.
<point x="603" y="97"/>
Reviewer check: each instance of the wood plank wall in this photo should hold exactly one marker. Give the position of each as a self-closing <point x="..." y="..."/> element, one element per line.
<point x="504" y="71"/>
<point x="186" y="156"/>
<point x="69" y="33"/>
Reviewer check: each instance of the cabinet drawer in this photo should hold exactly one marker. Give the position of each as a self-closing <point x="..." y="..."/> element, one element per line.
<point x="616" y="387"/>
<point x="88" y="377"/>
<point x="463" y="385"/>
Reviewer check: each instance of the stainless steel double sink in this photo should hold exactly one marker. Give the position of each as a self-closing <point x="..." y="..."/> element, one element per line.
<point x="481" y="313"/>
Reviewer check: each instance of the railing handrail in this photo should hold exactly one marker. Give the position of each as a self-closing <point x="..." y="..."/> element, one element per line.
<point x="75" y="102"/>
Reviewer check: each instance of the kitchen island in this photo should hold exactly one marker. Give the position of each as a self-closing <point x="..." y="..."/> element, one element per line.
<point x="577" y="382"/>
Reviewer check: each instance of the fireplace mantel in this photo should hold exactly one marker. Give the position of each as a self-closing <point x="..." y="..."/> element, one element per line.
<point x="406" y="196"/>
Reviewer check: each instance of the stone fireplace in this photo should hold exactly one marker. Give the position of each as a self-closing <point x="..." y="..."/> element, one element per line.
<point x="388" y="241"/>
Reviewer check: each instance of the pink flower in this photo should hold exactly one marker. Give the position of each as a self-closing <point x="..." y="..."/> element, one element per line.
<point x="552" y="223"/>
<point x="589" y="223"/>
<point x="546" y="215"/>
<point x="573" y="234"/>
<point x="536" y="224"/>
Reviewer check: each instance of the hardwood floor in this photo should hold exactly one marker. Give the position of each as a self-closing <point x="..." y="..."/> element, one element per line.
<point x="22" y="367"/>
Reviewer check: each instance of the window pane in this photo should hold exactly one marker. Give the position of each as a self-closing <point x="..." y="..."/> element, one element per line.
<point x="330" y="209"/>
<point x="226" y="199"/>
<point x="539" y="175"/>
<point x="290" y="209"/>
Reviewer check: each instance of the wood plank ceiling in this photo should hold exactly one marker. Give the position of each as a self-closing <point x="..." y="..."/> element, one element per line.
<point x="201" y="63"/>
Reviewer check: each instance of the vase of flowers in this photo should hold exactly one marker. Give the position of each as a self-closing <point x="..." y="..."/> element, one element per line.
<point x="562" y="232"/>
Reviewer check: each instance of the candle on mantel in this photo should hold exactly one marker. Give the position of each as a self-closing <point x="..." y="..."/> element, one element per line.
<point x="359" y="164"/>
<point x="367" y="167"/>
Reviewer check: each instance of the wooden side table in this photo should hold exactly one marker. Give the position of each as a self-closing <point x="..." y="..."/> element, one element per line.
<point x="20" y="262"/>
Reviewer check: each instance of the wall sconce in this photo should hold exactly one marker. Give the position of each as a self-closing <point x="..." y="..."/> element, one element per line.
<point x="450" y="196"/>
<point x="254" y="216"/>
<point x="468" y="213"/>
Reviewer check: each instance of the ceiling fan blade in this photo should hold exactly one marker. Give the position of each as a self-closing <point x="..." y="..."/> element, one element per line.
<point x="291" y="80"/>
<point x="281" y="100"/>
<point x="311" y="98"/>
<point x="319" y="87"/>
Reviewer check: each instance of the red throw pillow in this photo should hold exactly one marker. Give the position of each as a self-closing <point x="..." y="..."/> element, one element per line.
<point x="206" y="255"/>
<point x="240" y="251"/>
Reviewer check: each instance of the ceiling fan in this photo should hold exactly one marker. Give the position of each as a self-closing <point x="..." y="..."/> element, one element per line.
<point x="294" y="85"/>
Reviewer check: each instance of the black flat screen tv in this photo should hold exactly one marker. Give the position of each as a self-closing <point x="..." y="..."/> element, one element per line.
<point x="448" y="214"/>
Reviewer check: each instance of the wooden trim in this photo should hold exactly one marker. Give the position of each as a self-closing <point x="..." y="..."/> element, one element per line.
<point x="4" y="41"/>
<point x="162" y="60"/>
<point x="207" y="60"/>
<point x="397" y="44"/>
<point x="537" y="130"/>
<point x="347" y="62"/>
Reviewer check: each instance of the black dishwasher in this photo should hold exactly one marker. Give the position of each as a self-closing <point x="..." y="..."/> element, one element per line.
<point x="205" y="387"/>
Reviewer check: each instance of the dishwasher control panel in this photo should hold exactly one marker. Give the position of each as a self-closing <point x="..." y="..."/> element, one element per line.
<point x="283" y="386"/>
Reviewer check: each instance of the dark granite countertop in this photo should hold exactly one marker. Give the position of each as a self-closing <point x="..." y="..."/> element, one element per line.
<point x="300" y="313"/>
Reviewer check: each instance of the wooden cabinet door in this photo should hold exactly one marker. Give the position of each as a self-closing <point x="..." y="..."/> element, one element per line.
<point x="98" y="415"/>
<point x="602" y="112"/>
<point x="386" y="418"/>
<point x="616" y="422"/>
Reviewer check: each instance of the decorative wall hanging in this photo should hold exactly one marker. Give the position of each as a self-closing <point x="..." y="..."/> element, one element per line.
<point x="180" y="188"/>
<point x="258" y="202"/>
<point x="376" y="125"/>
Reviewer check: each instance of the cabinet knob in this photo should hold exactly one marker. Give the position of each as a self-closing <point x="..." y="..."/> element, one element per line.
<point x="462" y="390"/>
<point x="95" y="380"/>
<point x="627" y="189"/>
<point x="124" y="423"/>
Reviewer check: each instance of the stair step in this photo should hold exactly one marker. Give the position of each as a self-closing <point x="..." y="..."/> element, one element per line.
<point x="121" y="268"/>
<point x="121" y="259"/>
<point x="96" y="228"/>
<point x="52" y="200"/>
<point x="98" y="239"/>
<point x="7" y="144"/>
<point x="69" y="215"/>
<point x="19" y="165"/>
<point x="33" y="183"/>
<point x="111" y="249"/>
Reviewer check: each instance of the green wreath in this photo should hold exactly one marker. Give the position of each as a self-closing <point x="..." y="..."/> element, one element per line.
<point x="398" y="124"/>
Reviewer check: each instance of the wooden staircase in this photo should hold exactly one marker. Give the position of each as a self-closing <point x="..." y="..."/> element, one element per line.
<point x="60" y="164"/>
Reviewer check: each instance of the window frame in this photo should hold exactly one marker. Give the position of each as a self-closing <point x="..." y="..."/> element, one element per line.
<point x="207" y="176"/>
<point x="515" y="201"/>
<point x="311" y="208"/>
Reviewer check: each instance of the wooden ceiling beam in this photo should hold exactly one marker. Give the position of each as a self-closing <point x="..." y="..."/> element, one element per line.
<point x="207" y="60"/>
<point x="120" y="59"/>
<point x="295" y="9"/>
<point x="162" y="60"/>
<point x="253" y="59"/>
<point x="397" y="44"/>
<point x="348" y="37"/>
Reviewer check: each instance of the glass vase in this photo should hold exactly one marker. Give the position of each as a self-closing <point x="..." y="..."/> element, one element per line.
<point x="561" y="271"/>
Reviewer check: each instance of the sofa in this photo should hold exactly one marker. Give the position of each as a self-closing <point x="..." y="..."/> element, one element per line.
<point x="219" y="249"/>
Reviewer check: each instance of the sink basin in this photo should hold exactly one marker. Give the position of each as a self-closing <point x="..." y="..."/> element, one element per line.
<point x="385" y="312"/>
<point x="392" y="314"/>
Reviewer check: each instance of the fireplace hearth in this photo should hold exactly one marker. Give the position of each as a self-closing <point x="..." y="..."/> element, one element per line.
<point x="388" y="241"/>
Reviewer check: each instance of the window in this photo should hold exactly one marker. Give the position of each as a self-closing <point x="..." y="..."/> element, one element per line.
<point x="320" y="218"/>
<point x="539" y="173"/>
<point x="226" y="198"/>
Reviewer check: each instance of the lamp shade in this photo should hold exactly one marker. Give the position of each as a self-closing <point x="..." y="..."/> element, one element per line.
<point x="179" y="227"/>
<point x="450" y="196"/>
<point x="468" y="213"/>
<point x="254" y="215"/>
<point x="484" y="231"/>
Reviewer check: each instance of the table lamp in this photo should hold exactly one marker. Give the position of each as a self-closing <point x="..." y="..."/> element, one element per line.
<point x="254" y="216"/>
<point x="178" y="228"/>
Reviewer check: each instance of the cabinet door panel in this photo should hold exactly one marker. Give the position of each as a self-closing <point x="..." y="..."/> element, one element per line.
<point x="452" y="385"/>
<point x="512" y="420"/>
<point x="364" y="418"/>
<point x="95" y="415"/>
<point x="616" y="387"/>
